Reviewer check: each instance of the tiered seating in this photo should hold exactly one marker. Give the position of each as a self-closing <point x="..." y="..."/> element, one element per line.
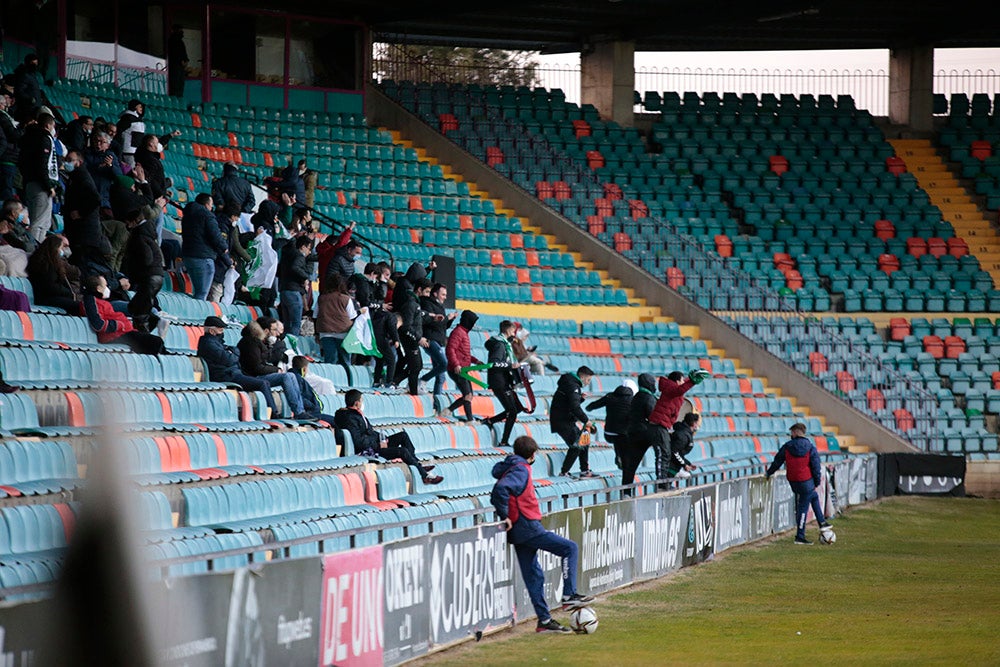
<point x="405" y="204"/>
<point x="972" y="138"/>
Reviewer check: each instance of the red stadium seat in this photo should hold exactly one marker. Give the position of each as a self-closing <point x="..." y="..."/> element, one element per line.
<point x="916" y="246"/>
<point x="981" y="149"/>
<point x="884" y="229"/>
<point x="723" y="245"/>
<point x="957" y="247"/>
<point x="895" y="165"/>
<point x="934" y="346"/>
<point x="778" y="164"/>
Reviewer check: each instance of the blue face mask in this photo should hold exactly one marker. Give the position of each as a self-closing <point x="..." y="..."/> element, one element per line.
<point x="21" y="216"/>
<point x="69" y="166"/>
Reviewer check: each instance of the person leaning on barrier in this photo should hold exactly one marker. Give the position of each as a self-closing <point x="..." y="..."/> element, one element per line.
<point x="681" y="444"/>
<point x="664" y="415"/>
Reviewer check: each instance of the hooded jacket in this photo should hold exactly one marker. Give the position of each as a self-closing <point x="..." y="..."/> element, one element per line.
<point x="641" y="407"/>
<point x="231" y="187"/>
<point x="616" y="405"/>
<point x="668" y="406"/>
<point x="10" y="134"/>
<point x="513" y="497"/>
<point x="565" y="410"/>
<point x="459" y="349"/>
<point x="406" y="283"/>
<point x="253" y="354"/>
<point x="326" y="249"/>
<point x="435" y="330"/>
<point x="801" y="460"/>
<point x="681" y="444"/>
<point x="500" y="354"/>
<point x="413" y="319"/>
<point x="35" y="156"/>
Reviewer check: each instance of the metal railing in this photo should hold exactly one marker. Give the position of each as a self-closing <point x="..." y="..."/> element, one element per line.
<point x="143" y="79"/>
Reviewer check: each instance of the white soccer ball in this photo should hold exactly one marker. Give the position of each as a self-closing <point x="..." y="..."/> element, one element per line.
<point x="827" y="536"/>
<point x="583" y="621"/>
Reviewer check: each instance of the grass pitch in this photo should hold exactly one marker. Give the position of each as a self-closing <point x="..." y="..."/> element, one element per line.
<point x="911" y="580"/>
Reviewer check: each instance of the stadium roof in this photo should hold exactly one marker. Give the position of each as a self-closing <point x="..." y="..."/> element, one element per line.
<point x="678" y="25"/>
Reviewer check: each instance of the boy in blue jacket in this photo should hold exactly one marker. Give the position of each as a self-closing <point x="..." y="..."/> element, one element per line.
<point x="515" y="501"/>
<point x="801" y="460"/>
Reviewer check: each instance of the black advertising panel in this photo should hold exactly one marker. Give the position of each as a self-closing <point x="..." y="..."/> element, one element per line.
<point x="407" y="597"/>
<point x="699" y="543"/>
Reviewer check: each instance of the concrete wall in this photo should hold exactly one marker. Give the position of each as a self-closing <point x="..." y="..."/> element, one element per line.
<point x="607" y="80"/>
<point x="982" y="478"/>
<point x="911" y="87"/>
<point x="385" y="112"/>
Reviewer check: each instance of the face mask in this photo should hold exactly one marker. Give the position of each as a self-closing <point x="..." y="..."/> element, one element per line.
<point x="65" y="253"/>
<point x="69" y="166"/>
<point x="271" y="340"/>
<point x="21" y="216"/>
<point x="106" y="292"/>
<point x="159" y="147"/>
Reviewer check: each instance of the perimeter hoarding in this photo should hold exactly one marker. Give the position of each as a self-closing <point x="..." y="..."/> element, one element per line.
<point x="351" y="633"/>
<point x="607" y="546"/>
<point x="732" y="514"/>
<point x="661" y="525"/>
<point x="407" y="594"/>
<point x="699" y="542"/>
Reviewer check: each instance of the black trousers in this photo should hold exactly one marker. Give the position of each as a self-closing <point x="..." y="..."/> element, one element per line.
<point x="385" y="366"/>
<point x="142" y="303"/>
<point x="410" y="366"/>
<point x="633" y="451"/>
<point x="465" y="389"/>
<point x="141" y="343"/>
<point x="401" y="447"/>
<point x="511" y="408"/>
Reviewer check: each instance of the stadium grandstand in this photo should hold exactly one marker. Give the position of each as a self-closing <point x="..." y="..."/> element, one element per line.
<point x="819" y="264"/>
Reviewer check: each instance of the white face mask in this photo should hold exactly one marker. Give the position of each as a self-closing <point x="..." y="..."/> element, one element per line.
<point x="106" y="293"/>
<point x="271" y="340"/>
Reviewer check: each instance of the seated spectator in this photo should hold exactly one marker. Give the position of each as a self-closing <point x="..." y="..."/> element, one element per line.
<point x="527" y="355"/>
<point x="335" y="313"/>
<point x="144" y="266"/>
<point x="54" y="280"/>
<point x="293" y="274"/>
<point x="13" y="260"/>
<point x="112" y="326"/>
<point x="312" y="404"/>
<point x="369" y="442"/>
<point x="320" y="385"/>
<point x="222" y="362"/>
<point x="254" y="364"/>
<point x="11" y="299"/>
<point x="18" y="233"/>
<point x="116" y="232"/>
<point x="231" y="188"/>
<point x="275" y="348"/>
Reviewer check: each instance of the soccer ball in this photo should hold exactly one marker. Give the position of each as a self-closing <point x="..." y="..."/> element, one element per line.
<point x="583" y="621"/>
<point x="827" y="536"/>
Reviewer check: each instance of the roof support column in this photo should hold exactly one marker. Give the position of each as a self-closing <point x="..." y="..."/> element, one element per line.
<point x="911" y="87"/>
<point x="607" y="80"/>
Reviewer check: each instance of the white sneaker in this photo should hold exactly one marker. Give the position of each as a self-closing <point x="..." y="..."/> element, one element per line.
<point x="445" y="413"/>
<point x="421" y="387"/>
<point x="161" y="328"/>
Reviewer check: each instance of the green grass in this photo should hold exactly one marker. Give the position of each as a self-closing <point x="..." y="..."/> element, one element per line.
<point x="911" y="580"/>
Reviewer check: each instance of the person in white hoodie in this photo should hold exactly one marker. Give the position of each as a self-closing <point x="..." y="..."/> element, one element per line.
<point x="130" y="130"/>
<point x="319" y="384"/>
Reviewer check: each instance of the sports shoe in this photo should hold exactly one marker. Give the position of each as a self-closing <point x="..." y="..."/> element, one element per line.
<point x="168" y="317"/>
<point x="566" y="474"/>
<point x="7" y="388"/>
<point x="551" y="625"/>
<point x="433" y="479"/>
<point x="428" y="468"/>
<point x="587" y="473"/>
<point x="421" y="387"/>
<point x="826" y="524"/>
<point x="576" y="600"/>
<point x="802" y="540"/>
<point x="444" y="413"/>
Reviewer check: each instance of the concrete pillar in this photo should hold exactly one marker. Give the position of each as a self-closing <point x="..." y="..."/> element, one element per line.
<point x="607" y="80"/>
<point x="911" y="87"/>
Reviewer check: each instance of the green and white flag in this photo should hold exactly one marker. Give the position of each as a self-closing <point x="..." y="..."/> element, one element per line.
<point x="361" y="339"/>
<point x="260" y="271"/>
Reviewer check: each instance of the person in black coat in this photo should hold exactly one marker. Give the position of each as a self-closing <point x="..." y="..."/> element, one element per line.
<point x="222" y="362"/>
<point x="565" y="410"/>
<point x="231" y="187"/>
<point x="27" y="88"/>
<point x="81" y="209"/>
<point x="201" y="244"/>
<point x="148" y="155"/>
<point x="385" y="329"/>
<point x="10" y="135"/>
<point x="436" y="324"/>
<point x="177" y="62"/>
<point x="293" y="273"/>
<point x="616" y="406"/>
<point x="411" y="336"/>
<point x="103" y="165"/>
<point x="253" y="362"/>
<point x="143" y="264"/>
<point x="76" y="134"/>
<point x="502" y="379"/>
<point x="681" y="444"/>
<point x="638" y="440"/>
<point x="369" y="442"/>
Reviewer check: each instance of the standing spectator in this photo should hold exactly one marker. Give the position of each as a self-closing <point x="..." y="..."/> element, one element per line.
<point x="39" y="167"/>
<point x="293" y="273"/>
<point x="82" y="218"/>
<point x="228" y="219"/>
<point x="436" y="324"/>
<point x="327" y="248"/>
<point x="502" y="378"/>
<point x="804" y="474"/>
<point x="664" y="415"/>
<point x="311" y="180"/>
<point x="147" y="154"/>
<point x="54" y="280"/>
<point x="143" y="264"/>
<point x="294" y="183"/>
<point x="233" y="188"/>
<point x="10" y="136"/>
<point x="103" y="165"/>
<point x="681" y="444"/>
<point x="76" y="135"/>
<point x="513" y="497"/>
<point x="131" y="130"/>
<point x="343" y="259"/>
<point x="385" y="329"/>
<point x="201" y="243"/>
<point x="638" y="440"/>
<point x="564" y="412"/>
<point x="222" y="362"/>
<point x="366" y="287"/>
<point x="459" y="355"/>
<point x="177" y="62"/>
<point x="27" y="88"/>
<point x="254" y="364"/>
<point x="411" y="335"/>
<point x="616" y="405"/>
<point x="112" y="326"/>
<point x="335" y="313"/>
<point x="369" y="442"/>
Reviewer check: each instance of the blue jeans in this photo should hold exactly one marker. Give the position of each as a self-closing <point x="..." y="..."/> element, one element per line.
<point x="531" y="571"/>
<point x="291" y="311"/>
<point x="805" y="495"/>
<point x="201" y="272"/>
<point x="333" y="351"/>
<point x="288" y="384"/>
<point x="439" y="365"/>
<point x="248" y="383"/>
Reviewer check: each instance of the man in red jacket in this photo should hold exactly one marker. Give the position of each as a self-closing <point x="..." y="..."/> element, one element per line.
<point x="458" y="351"/>
<point x="664" y="415"/>
<point x="803" y="472"/>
